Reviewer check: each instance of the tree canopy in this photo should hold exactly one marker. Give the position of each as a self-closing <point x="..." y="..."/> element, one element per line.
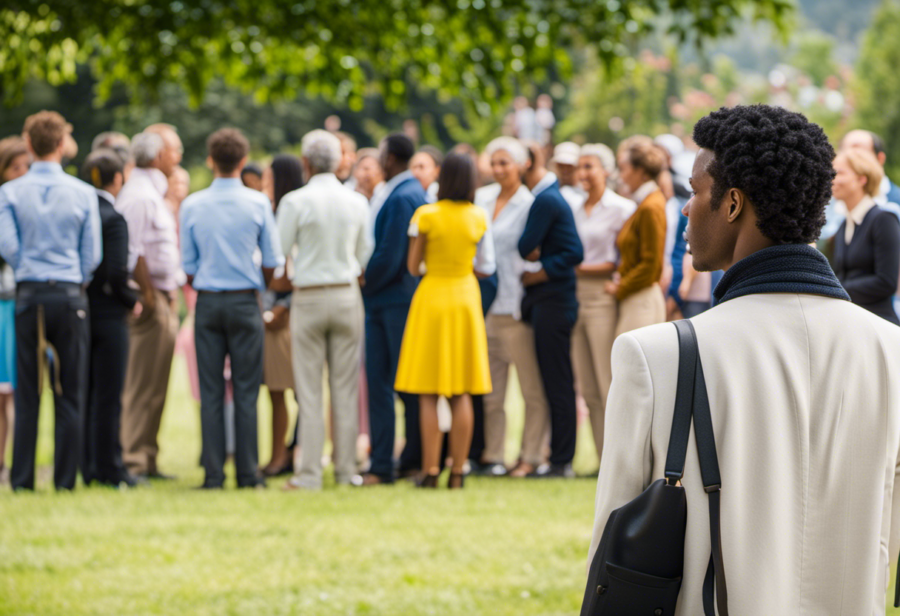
<point x="343" y="50"/>
<point x="877" y="82"/>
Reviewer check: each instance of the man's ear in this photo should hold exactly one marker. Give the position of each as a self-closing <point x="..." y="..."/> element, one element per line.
<point x="210" y="163"/>
<point x="735" y="200"/>
<point x="882" y="157"/>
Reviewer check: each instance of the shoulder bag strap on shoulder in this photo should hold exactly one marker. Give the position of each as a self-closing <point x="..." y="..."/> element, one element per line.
<point x="714" y="586"/>
<point x="684" y="403"/>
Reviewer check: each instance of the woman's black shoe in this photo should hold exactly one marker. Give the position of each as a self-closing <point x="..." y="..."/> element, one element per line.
<point x="457" y="480"/>
<point x="427" y="481"/>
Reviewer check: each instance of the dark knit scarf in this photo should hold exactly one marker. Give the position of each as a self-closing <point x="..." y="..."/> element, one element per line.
<point x="792" y="268"/>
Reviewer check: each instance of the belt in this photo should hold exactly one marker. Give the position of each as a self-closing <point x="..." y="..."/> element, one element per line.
<point x="47" y="284"/>
<point x="229" y="292"/>
<point x="319" y="287"/>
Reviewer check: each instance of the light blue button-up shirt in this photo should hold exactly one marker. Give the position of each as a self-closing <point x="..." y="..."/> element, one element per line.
<point x="228" y="234"/>
<point x="50" y="226"/>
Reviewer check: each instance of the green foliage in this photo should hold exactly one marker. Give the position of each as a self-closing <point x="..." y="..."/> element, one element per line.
<point x="878" y="81"/>
<point x="479" y="50"/>
<point x="814" y="56"/>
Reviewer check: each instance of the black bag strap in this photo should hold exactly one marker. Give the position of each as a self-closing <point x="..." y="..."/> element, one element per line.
<point x="696" y="403"/>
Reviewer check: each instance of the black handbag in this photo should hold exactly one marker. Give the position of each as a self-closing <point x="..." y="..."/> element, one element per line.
<point x="638" y="566"/>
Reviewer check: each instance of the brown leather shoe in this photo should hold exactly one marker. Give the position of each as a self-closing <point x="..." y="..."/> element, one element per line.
<point x="369" y="479"/>
<point x="522" y="469"/>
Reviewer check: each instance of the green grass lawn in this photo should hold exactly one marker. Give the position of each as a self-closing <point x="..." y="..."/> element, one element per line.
<point x="498" y="547"/>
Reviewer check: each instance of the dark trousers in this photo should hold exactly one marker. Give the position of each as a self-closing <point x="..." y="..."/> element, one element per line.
<point x="229" y="324"/>
<point x="102" y="460"/>
<point x="64" y="308"/>
<point x="384" y="333"/>
<point x="553" y="323"/>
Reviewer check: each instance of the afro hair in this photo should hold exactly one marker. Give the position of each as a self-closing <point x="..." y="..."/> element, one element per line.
<point x="779" y="159"/>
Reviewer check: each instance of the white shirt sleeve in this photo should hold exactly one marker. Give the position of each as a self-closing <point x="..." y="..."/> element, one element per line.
<point x="486" y="256"/>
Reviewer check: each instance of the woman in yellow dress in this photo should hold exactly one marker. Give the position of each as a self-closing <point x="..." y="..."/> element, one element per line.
<point x="444" y="350"/>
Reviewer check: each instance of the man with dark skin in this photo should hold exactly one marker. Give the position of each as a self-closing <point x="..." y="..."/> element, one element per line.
<point x="801" y="385"/>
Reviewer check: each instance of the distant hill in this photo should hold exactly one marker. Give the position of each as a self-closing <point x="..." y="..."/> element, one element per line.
<point x="843" y="19"/>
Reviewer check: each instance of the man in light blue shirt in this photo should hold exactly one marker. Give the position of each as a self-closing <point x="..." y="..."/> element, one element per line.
<point x="50" y="235"/>
<point x="230" y="249"/>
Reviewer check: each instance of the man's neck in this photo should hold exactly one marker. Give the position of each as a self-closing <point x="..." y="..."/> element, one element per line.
<point x="228" y="176"/>
<point x="534" y="178"/>
<point x="390" y="175"/>
<point x="53" y="158"/>
<point x="747" y="244"/>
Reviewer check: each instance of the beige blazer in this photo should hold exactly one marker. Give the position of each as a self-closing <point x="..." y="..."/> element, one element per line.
<point x="805" y="399"/>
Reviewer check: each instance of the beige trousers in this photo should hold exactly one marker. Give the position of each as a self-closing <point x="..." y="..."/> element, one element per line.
<point x="646" y="307"/>
<point x="511" y="342"/>
<point x="327" y="328"/>
<point x="151" y="344"/>
<point x="592" y="341"/>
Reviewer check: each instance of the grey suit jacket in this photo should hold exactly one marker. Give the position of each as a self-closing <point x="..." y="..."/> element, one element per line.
<point x="805" y="400"/>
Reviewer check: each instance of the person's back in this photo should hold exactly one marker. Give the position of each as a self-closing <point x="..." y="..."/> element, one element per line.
<point x="328" y="225"/>
<point x="218" y="221"/>
<point x="454" y="230"/>
<point x="807" y="431"/>
<point x="52" y="211"/>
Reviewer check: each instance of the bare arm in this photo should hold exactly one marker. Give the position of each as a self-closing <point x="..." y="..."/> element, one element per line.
<point x="596" y="269"/>
<point x="416" y="253"/>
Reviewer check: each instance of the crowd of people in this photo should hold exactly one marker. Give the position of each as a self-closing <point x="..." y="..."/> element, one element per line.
<point x="405" y="272"/>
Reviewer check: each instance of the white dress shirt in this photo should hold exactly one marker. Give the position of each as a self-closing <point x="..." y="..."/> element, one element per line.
<point x="506" y="230"/>
<point x="856" y="216"/>
<point x="573" y="195"/>
<point x="323" y="226"/>
<point x="152" y="230"/>
<point x="599" y="229"/>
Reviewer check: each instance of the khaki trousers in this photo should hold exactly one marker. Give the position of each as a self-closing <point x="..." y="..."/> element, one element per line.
<point x="511" y="342"/>
<point x="646" y="307"/>
<point x="151" y="345"/>
<point x="592" y="341"/>
<point x="327" y="328"/>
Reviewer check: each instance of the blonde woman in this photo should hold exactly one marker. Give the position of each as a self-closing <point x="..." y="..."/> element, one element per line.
<point x="867" y="244"/>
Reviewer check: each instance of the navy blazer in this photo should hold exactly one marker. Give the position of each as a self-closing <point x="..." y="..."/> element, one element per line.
<point x="109" y="293"/>
<point x="388" y="281"/>
<point x="551" y="227"/>
<point x="869" y="266"/>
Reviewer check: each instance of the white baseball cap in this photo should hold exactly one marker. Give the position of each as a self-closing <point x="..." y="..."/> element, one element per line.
<point x="566" y="153"/>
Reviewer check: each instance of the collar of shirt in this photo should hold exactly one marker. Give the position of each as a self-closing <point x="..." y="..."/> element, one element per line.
<point x="226" y="183"/>
<point x="885" y="187"/>
<point x="857" y="215"/>
<point x="382" y="194"/>
<point x="324" y="179"/>
<point x="644" y="191"/>
<point x="44" y="166"/>
<point x="545" y="183"/>
<point x="152" y="175"/>
<point x="106" y="195"/>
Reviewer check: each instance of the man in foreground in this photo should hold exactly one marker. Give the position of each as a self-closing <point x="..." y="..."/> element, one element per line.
<point x="803" y="401"/>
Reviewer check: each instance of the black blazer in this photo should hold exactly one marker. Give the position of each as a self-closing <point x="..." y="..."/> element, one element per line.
<point x="109" y="293"/>
<point x="869" y="266"/>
